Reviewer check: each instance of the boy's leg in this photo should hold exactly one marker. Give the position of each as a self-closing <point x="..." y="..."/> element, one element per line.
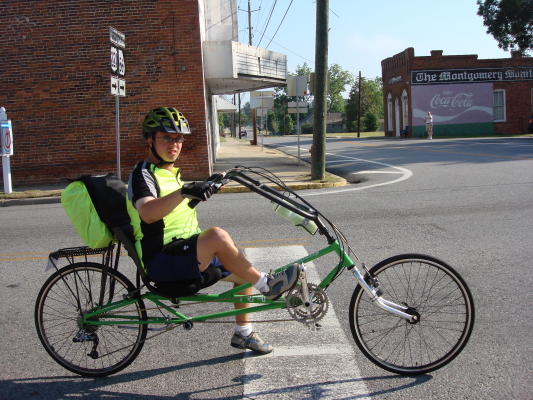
<point x="217" y="242"/>
<point x="244" y="337"/>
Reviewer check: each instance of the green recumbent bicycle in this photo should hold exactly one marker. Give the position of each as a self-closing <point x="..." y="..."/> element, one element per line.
<point x="409" y="314"/>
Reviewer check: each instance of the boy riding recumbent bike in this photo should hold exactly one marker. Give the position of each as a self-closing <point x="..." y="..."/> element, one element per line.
<point x="409" y="314"/>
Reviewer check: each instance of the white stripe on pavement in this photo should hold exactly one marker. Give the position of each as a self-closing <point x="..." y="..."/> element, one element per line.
<point x="305" y="364"/>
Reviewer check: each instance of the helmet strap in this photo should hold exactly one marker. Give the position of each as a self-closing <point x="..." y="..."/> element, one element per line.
<point x="161" y="162"/>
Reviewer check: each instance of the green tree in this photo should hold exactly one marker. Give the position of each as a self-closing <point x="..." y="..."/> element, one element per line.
<point x="307" y="128"/>
<point x="371" y="101"/>
<point x="288" y="126"/>
<point x="370" y="122"/>
<point x="224" y="121"/>
<point x="338" y="80"/>
<point x="510" y="22"/>
<point x="272" y="123"/>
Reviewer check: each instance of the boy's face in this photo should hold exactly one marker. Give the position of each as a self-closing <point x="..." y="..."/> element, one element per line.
<point x="168" y="145"/>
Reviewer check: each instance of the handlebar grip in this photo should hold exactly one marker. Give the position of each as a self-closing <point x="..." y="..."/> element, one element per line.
<point x="194" y="202"/>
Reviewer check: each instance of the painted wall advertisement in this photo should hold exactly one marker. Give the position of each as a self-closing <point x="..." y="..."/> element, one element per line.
<point x="453" y="104"/>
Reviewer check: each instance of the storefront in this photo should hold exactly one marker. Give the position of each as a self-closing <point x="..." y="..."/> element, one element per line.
<point x="466" y="96"/>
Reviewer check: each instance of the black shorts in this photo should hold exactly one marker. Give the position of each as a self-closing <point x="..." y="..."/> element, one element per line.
<point x="177" y="261"/>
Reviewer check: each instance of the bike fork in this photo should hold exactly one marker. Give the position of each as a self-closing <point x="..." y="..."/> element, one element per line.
<point x="376" y="296"/>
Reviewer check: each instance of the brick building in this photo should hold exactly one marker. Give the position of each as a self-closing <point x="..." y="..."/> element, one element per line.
<point x="55" y="80"/>
<point x="466" y="96"/>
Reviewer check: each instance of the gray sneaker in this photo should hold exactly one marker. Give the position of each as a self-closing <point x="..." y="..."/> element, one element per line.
<point x="281" y="282"/>
<point x="252" y="342"/>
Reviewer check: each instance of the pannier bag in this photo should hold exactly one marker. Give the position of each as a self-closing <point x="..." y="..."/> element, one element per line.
<point x="96" y="204"/>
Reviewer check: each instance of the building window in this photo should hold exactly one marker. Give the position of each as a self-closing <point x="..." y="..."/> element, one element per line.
<point x="405" y="108"/>
<point x="389" y="112"/>
<point x="499" y="105"/>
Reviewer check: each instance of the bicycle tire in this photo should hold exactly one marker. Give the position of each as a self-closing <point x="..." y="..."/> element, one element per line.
<point x="441" y="297"/>
<point x="65" y="296"/>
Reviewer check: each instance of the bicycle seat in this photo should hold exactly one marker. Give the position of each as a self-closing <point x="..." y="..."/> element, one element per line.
<point x="166" y="289"/>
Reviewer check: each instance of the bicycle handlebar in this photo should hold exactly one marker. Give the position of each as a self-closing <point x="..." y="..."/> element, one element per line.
<point x="236" y="174"/>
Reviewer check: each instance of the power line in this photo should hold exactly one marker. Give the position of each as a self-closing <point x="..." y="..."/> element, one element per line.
<point x="272" y="40"/>
<point x="279" y="24"/>
<point x="270" y="16"/>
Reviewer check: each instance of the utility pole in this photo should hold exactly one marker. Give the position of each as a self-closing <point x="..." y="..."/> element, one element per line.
<point x="254" y="118"/>
<point x="249" y="23"/>
<point x="359" y="113"/>
<point x="318" y="165"/>
<point x="240" y="117"/>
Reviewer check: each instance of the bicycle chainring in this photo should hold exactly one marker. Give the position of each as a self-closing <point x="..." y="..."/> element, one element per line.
<point x="307" y="314"/>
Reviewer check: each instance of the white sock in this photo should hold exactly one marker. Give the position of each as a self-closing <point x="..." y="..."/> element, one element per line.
<point x="261" y="284"/>
<point x="245" y="330"/>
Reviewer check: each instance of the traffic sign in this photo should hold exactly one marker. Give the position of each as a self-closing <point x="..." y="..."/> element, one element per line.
<point x="118" y="61"/>
<point x="301" y="110"/>
<point x="117" y="37"/>
<point x="7" y="138"/>
<point x="121" y="87"/>
<point x="118" y="86"/>
<point x="114" y="86"/>
<point x="300" y="104"/>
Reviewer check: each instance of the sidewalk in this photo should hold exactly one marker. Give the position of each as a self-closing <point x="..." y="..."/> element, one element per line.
<point x="232" y="152"/>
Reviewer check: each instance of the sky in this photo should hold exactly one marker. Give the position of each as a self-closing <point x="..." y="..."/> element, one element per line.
<point x="363" y="33"/>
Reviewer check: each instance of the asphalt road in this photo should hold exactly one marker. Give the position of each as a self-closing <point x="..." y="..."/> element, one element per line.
<point x="468" y="202"/>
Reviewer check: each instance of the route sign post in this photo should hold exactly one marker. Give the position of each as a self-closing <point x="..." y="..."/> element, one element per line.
<point x="297" y="86"/>
<point x="262" y="101"/>
<point x="118" y="83"/>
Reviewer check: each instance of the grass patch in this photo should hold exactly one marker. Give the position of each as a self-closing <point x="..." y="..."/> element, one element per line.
<point x="31" y="194"/>
<point x="328" y="178"/>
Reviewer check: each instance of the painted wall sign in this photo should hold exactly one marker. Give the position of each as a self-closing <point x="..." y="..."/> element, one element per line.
<point x="453" y="104"/>
<point x="471" y="75"/>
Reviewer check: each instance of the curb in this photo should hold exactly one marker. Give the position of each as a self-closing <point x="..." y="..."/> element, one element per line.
<point x="30" y="201"/>
<point x="295" y="187"/>
<point x="227" y="189"/>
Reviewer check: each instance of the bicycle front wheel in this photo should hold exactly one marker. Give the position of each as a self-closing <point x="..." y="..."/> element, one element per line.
<point x="430" y="288"/>
<point x="88" y="350"/>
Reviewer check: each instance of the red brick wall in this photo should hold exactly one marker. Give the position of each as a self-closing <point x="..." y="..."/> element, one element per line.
<point x="399" y="65"/>
<point x="55" y="84"/>
<point x="518" y="94"/>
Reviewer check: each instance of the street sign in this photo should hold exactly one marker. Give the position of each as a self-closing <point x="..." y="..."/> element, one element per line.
<point x="118" y="86"/>
<point x="7" y="138"/>
<point x="114" y="60"/>
<point x="114" y="86"/>
<point x="262" y="93"/>
<point x="117" y="37"/>
<point x="118" y="61"/>
<point x="261" y="102"/>
<point x="298" y="104"/>
<point x="297" y="85"/>
<point x="301" y="110"/>
<point x="121" y="63"/>
<point x="121" y="87"/>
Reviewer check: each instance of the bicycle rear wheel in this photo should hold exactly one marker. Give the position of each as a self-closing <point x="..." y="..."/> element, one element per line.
<point x="88" y="350"/>
<point x="435" y="291"/>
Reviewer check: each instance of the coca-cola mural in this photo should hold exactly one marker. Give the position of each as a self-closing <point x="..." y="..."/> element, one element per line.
<point x="453" y="103"/>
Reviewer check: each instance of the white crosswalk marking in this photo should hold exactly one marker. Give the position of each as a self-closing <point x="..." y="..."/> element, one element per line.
<point x="304" y="364"/>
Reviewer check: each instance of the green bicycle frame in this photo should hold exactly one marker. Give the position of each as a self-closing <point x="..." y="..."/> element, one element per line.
<point x="103" y="314"/>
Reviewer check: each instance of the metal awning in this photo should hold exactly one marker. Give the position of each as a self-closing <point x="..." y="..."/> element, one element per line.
<point x="233" y="67"/>
<point x="224" y="106"/>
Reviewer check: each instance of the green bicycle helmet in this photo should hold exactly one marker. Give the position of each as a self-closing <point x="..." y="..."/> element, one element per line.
<point x="165" y="119"/>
